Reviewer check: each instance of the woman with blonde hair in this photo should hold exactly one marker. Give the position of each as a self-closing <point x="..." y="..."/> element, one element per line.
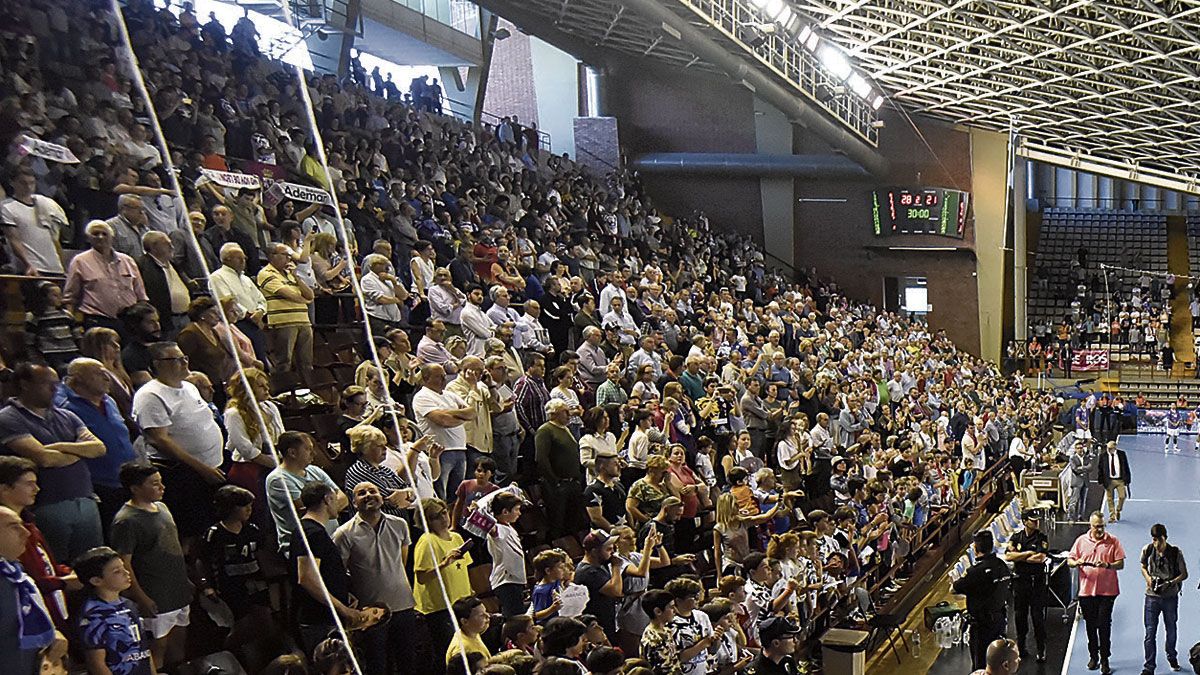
<point x="253" y="423"/>
<point x="370" y="445"/>
<point x="731" y="534"/>
<point x="104" y="345"/>
<point x="647" y="493"/>
<point x="329" y="268"/>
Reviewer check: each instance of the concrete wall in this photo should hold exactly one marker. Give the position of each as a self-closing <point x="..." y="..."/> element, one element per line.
<point x="773" y="135"/>
<point x="556" y="81"/>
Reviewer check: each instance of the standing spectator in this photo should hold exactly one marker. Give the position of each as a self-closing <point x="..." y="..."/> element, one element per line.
<point x="145" y="535"/>
<point x="286" y="481"/>
<point x="1164" y="568"/>
<point x="113" y="635"/>
<point x="658" y="640"/>
<point x="289" y="326"/>
<point x="600" y="572"/>
<point x="1098" y="556"/>
<point x="530" y="398"/>
<point x="374" y="546"/>
<point x="191" y="258"/>
<point x="32" y="224"/>
<point x="166" y="289"/>
<point x="183" y="435"/>
<point x="430" y="349"/>
<point x="557" y="457"/>
<point x="230" y="281"/>
<point x="383" y="295"/>
<point x="18" y="491"/>
<point x="476" y="326"/>
<point x="508" y="556"/>
<point x="31" y="426"/>
<point x="321" y="572"/>
<point x="506" y="429"/>
<point x="85" y="392"/>
<point x="446" y="302"/>
<point x="440" y="562"/>
<point x="101" y="282"/>
<point x="51" y="332"/>
<point x="473" y="620"/>
<point x="474" y="387"/>
<point x="129" y="225"/>
<point x="25" y="628"/>
<point x="443" y="414"/>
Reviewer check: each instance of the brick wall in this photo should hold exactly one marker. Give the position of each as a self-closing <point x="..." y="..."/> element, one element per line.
<point x="510" y="89"/>
<point x="596" y="143"/>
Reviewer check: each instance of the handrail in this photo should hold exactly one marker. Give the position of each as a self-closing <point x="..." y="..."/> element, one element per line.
<point x="543" y="136"/>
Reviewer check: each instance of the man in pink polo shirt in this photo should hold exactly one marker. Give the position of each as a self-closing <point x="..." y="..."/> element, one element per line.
<point x="1098" y="555"/>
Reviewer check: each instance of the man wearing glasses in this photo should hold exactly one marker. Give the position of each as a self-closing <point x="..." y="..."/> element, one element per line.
<point x="183" y="438"/>
<point x="1098" y="555"/>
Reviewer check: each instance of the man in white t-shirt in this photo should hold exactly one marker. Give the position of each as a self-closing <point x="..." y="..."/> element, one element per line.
<point x="441" y="414"/>
<point x="182" y="436"/>
<point x="31" y="223"/>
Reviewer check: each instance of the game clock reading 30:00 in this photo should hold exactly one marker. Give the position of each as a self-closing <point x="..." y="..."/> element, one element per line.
<point x="920" y="211"/>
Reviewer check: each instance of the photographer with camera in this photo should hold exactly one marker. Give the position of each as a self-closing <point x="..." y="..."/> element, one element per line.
<point x="1165" y="570"/>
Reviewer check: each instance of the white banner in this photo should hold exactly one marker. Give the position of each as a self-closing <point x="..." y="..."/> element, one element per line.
<point x="230" y="179"/>
<point x="47" y="150"/>
<point x="301" y="193"/>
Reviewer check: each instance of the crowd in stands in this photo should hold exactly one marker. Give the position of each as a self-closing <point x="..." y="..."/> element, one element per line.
<point x="620" y="443"/>
<point x="1125" y="311"/>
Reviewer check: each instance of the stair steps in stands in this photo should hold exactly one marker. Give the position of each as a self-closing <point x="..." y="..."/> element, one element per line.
<point x="1181" y="315"/>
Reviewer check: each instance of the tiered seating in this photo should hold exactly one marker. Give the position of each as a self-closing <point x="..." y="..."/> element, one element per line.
<point x="1061" y="289"/>
<point x="1193" y="236"/>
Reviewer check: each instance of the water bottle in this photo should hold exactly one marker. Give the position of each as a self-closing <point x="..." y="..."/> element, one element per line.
<point x="916" y="643"/>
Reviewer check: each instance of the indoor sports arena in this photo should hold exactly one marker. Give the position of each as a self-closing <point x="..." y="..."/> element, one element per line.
<point x="599" y="337"/>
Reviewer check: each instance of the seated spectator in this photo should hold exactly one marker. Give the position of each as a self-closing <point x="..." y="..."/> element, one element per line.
<point x="58" y="442"/>
<point x="102" y="282"/>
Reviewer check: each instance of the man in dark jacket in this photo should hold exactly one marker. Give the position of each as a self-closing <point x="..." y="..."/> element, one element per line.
<point x="167" y="290"/>
<point x="986" y="586"/>
<point x="1113" y="474"/>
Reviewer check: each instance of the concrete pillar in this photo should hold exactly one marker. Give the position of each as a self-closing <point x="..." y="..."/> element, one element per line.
<point x="1151" y="198"/>
<point x="1043" y="189"/>
<point x="1064" y="188"/>
<point x="1171" y="200"/>
<point x="1192" y="202"/>
<point x="1104" y="193"/>
<point x="1020" y="188"/>
<point x="1085" y="189"/>
<point x="1131" y="196"/>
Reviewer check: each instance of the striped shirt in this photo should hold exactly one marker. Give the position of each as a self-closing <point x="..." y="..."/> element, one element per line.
<point x="280" y="310"/>
<point x="381" y="476"/>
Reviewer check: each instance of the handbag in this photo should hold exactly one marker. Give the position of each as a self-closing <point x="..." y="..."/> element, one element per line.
<point x="940" y="610"/>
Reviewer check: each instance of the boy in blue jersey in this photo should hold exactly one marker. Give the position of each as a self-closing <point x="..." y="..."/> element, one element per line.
<point x="113" y="639"/>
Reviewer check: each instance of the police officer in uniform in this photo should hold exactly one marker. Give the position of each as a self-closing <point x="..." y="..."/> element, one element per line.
<point x="777" y="635"/>
<point x="1027" y="552"/>
<point x="986" y="586"/>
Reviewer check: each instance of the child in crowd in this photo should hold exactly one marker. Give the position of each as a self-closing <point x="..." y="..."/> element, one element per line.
<point x="550" y="568"/>
<point x="50" y="330"/>
<point x="113" y="636"/>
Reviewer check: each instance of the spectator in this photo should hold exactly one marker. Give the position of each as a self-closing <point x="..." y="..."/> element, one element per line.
<point x="114" y="636"/>
<point x="287" y="299"/>
<point x="557" y="458"/>
<point x="166" y="289"/>
<point x="144" y="534"/>
<point x="85" y="392"/>
<point x="383" y="295"/>
<point x="51" y="332"/>
<point x="506" y="429"/>
<point x="475" y="388"/>
<point x="473" y="620"/>
<point x="320" y="570"/>
<point x="508" y="555"/>
<point x="26" y="631"/>
<point x="183" y="435"/>
<point x="440" y="562"/>
<point x="193" y="252"/>
<point x="285" y="482"/>
<point x="443" y="414"/>
<point x="32" y="224"/>
<point x="142" y="329"/>
<point x="250" y="306"/>
<point x="369" y="444"/>
<point x="129" y="225"/>
<point x="446" y="302"/>
<point x="374" y="545"/>
<point x="202" y="344"/>
<point x="56" y="440"/>
<point x="101" y="282"/>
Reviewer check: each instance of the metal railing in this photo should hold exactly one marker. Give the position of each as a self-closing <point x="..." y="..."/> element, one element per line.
<point x="780" y="53"/>
<point x="494" y="120"/>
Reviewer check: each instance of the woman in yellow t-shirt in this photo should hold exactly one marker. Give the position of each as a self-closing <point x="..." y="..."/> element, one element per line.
<point x="439" y="549"/>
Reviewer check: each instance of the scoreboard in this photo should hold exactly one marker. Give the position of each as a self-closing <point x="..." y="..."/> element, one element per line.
<point x="920" y="211"/>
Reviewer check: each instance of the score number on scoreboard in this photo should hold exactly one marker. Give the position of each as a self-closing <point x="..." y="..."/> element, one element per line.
<point x="920" y="211"/>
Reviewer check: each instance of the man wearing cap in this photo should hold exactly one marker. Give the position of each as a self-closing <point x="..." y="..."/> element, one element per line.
<point x="777" y="635"/>
<point x="1098" y="555"/>
<point x="600" y="572"/>
<point x="986" y="586"/>
<point x="1027" y="551"/>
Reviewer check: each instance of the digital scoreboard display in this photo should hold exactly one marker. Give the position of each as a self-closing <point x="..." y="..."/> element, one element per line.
<point x="920" y="211"/>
